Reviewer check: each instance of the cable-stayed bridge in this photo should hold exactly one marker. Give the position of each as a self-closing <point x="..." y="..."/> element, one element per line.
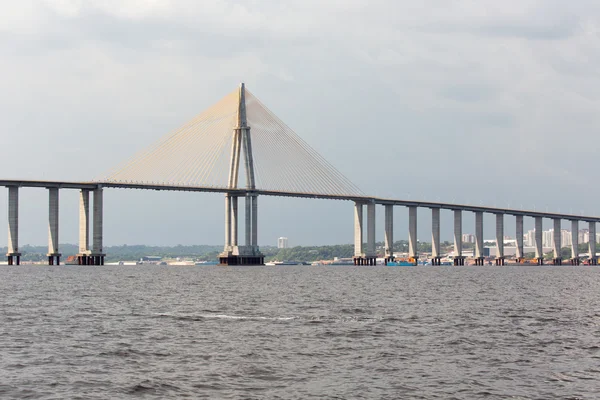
<point x="238" y="147"/>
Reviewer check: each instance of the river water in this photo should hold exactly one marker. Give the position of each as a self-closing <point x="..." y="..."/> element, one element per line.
<point x="299" y="332"/>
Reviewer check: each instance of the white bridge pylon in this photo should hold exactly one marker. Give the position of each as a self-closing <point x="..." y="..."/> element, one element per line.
<point x="206" y="152"/>
<point x="199" y="154"/>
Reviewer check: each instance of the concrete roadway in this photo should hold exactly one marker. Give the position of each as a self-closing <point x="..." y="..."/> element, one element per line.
<point x="243" y="192"/>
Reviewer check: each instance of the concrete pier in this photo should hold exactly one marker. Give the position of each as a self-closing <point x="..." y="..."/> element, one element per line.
<point x="436" y="258"/>
<point x="575" y="242"/>
<point x="413" y="251"/>
<point x="257" y="256"/>
<point x="234" y="222"/>
<point x="500" y="239"/>
<point x="519" y="253"/>
<point x="389" y="233"/>
<point x="370" y="254"/>
<point x="254" y="240"/>
<point x="459" y="259"/>
<point x="83" y="256"/>
<point x="539" y="250"/>
<point x="556" y="245"/>
<point x="249" y="253"/>
<point x="97" y="254"/>
<point x="592" y="244"/>
<point x="364" y="256"/>
<point x="358" y="234"/>
<point x="479" y="238"/>
<point x="13" y="255"/>
<point x="248" y="221"/>
<point x="53" y="253"/>
<point x="227" y="222"/>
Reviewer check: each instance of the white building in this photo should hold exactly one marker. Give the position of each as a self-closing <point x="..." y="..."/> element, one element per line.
<point x="529" y="238"/>
<point x="584" y="236"/>
<point x="565" y="238"/>
<point x="282" y="243"/>
<point x="547" y="238"/>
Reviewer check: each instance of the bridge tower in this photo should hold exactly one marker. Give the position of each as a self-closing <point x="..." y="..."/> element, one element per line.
<point x="249" y="253"/>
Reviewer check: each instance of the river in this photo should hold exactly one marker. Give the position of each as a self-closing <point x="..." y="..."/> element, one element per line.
<point x="522" y="332"/>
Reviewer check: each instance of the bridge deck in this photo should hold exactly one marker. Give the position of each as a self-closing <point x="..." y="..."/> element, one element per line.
<point x="243" y="192"/>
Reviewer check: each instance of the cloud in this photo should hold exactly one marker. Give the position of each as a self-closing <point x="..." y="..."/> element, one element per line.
<point x="526" y="20"/>
<point x="420" y="89"/>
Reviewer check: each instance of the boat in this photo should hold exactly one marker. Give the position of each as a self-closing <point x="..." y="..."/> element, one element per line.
<point x="202" y="263"/>
<point x="276" y="263"/>
<point x="400" y="264"/>
<point x="71" y="260"/>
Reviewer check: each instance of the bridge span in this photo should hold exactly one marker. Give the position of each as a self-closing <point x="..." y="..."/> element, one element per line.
<point x="205" y="155"/>
<point x="241" y="192"/>
<point x="363" y="256"/>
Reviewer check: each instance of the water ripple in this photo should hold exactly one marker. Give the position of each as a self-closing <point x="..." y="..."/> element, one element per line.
<point x="299" y="332"/>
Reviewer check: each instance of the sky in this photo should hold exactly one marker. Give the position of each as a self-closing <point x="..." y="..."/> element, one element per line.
<point x="468" y="101"/>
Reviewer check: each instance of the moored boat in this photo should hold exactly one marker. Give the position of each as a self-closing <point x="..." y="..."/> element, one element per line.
<point x="274" y="263"/>
<point x="400" y="264"/>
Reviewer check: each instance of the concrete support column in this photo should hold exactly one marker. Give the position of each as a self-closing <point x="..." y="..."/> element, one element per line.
<point x="435" y="237"/>
<point x="500" y="239"/>
<point x="248" y="218"/>
<point x="389" y="232"/>
<point x="13" y="255"/>
<point x="227" y="222"/>
<point x="520" y="255"/>
<point x="539" y="249"/>
<point x="234" y="222"/>
<point x="84" y="221"/>
<point x="370" y="253"/>
<point x="458" y="257"/>
<point x="358" y="230"/>
<point x="479" y="238"/>
<point x="574" y="242"/>
<point x="53" y="253"/>
<point x="97" y="236"/>
<point x="83" y="256"/>
<point x="254" y="224"/>
<point x="556" y="245"/>
<point x="413" y="251"/>
<point x="248" y="254"/>
<point x="592" y="243"/>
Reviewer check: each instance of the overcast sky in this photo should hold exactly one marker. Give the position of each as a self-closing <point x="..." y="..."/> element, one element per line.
<point x="471" y="101"/>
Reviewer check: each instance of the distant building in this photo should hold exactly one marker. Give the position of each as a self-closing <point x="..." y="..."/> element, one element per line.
<point x="282" y="243"/>
<point x="584" y="236"/>
<point x="468" y="238"/>
<point x="547" y="238"/>
<point x="512" y="250"/>
<point x="565" y="238"/>
<point x="529" y="238"/>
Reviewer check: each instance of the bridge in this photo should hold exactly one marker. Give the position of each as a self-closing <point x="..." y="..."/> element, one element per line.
<point x="204" y="155"/>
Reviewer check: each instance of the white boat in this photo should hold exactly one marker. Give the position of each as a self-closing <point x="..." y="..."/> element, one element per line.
<point x="275" y="263"/>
